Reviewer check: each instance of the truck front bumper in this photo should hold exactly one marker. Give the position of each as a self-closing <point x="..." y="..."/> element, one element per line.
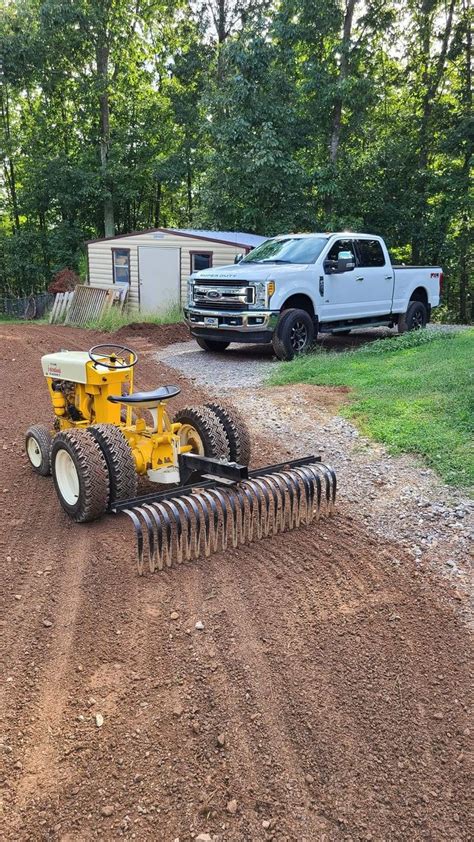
<point x="249" y="326"/>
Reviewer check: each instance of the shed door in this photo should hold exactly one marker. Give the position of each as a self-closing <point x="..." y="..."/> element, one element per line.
<point x="159" y="276"/>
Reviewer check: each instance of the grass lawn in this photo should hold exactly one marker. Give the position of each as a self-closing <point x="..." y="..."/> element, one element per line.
<point x="413" y="393"/>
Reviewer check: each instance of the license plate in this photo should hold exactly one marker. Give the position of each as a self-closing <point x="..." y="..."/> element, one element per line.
<point x="211" y="320"/>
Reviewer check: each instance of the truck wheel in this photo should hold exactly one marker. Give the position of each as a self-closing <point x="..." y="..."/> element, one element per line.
<point x="236" y="430"/>
<point x="211" y="344"/>
<point x="119" y="459"/>
<point x="294" y="334"/>
<point x="38" y="446"/>
<point x="203" y="430"/>
<point x="80" y="475"/>
<point x="415" y="317"/>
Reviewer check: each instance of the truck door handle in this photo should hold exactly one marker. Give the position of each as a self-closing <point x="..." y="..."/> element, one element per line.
<point x="388" y="278"/>
<point x="359" y="279"/>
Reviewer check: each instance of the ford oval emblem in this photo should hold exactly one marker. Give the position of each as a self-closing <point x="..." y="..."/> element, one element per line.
<point x="213" y="294"/>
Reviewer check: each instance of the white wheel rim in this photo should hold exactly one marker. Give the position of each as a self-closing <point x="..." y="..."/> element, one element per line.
<point x="188" y="435"/>
<point x="66" y="477"/>
<point x="34" y="452"/>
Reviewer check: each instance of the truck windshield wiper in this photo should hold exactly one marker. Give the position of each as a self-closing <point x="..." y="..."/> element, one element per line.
<point x="275" y="260"/>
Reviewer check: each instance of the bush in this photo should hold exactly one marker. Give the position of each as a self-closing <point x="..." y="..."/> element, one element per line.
<point x="64" y="281"/>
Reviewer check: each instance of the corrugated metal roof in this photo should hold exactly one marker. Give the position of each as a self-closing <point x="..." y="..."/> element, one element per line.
<point x="240" y="238"/>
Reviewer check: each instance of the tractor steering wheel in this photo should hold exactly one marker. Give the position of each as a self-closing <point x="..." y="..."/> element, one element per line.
<point x="117" y="363"/>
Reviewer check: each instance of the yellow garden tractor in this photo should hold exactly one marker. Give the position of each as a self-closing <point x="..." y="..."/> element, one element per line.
<point x="99" y="445"/>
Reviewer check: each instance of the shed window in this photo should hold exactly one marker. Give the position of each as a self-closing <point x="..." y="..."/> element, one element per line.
<point x="121" y="266"/>
<point x="200" y="260"/>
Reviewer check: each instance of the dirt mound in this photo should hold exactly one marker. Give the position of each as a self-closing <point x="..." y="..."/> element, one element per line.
<point x="159" y="335"/>
<point x="325" y="697"/>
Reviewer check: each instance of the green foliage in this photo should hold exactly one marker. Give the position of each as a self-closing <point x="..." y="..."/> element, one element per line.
<point x="413" y="393"/>
<point x="235" y="115"/>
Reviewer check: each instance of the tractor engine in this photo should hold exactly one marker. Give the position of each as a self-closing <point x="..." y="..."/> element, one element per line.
<point x="64" y="401"/>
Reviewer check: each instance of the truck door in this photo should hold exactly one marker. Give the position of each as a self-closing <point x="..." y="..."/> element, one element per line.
<point x="365" y="290"/>
<point x="375" y="278"/>
<point x="340" y="291"/>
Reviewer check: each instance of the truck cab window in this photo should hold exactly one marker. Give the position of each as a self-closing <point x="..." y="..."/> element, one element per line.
<point x="370" y="253"/>
<point x="340" y="245"/>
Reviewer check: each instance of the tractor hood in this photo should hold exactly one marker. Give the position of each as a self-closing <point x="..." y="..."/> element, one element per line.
<point x="249" y="272"/>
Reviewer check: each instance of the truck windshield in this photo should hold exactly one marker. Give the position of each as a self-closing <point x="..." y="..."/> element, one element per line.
<point x="288" y="250"/>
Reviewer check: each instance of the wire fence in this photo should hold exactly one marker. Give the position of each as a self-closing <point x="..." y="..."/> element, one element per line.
<point x="34" y="306"/>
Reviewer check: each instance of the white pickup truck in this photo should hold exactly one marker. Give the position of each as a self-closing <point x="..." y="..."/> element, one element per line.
<point x="294" y="286"/>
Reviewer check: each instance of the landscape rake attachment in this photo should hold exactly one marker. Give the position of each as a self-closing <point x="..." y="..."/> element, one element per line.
<point x="235" y="508"/>
<point x="100" y="443"/>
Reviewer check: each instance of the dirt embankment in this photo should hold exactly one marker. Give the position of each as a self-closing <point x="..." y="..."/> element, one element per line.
<point x="326" y="697"/>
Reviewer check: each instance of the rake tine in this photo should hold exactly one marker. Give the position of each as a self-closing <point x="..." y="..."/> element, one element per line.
<point x="252" y="504"/>
<point x="156" y="550"/>
<point x="222" y="501"/>
<point x="196" y="535"/>
<point x="242" y="518"/>
<point x="329" y="479"/>
<point x="292" y="487"/>
<point x="179" y="528"/>
<point x="187" y="532"/>
<point x="210" y="527"/>
<point x="278" y="498"/>
<point x="309" y="492"/>
<point x="151" y="537"/>
<point x="264" y="508"/>
<point x="139" y="535"/>
<point x="168" y="536"/>
<point x="153" y="508"/>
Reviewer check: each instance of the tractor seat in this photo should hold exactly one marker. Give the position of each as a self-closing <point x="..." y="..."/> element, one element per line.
<point x="147" y="400"/>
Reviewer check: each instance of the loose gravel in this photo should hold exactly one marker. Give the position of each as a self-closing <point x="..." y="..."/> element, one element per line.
<point x="397" y="496"/>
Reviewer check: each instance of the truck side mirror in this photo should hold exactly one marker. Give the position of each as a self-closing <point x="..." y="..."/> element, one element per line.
<point x="238" y="258"/>
<point x="345" y="261"/>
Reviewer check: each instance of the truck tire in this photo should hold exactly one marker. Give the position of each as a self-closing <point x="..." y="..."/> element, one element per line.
<point x="203" y="430"/>
<point x="120" y="463"/>
<point x="80" y="475"/>
<point x="38" y="446"/>
<point x="236" y="430"/>
<point x="415" y="317"/>
<point x="294" y="334"/>
<point x="214" y="345"/>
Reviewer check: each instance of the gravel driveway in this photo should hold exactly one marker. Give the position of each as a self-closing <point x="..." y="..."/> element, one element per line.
<point x="397" y="496"/>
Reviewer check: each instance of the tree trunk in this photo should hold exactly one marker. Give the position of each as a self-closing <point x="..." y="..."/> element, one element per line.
<point x="102" y="58"/>
<point x="430" y="81"/>
<point x="465" y="233"/>
<point x="343" y="71"/>
<point x="336" y="119"/>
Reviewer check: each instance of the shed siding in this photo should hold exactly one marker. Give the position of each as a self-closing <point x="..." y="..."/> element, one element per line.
<point x="100" y="258"/>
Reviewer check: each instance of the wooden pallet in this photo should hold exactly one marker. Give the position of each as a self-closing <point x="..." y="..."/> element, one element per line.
<point x="61" y="305"/>
<point x="89" y="304"/>
<point x="86" y="304"/>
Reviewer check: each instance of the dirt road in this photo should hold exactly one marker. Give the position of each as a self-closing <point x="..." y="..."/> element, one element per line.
<point x="326" y="697"/>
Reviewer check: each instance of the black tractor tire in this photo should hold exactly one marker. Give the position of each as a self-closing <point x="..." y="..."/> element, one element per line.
<point x="87" y="498"/>
<point x="415" y="317"/>
<point x="237" y="432"/>
<point x="38" y="440"/>
<point x="294" y="334"/>
<point x="209" y="428"/>
<point x="213" y="345"/>
<point x="120" y="462"/>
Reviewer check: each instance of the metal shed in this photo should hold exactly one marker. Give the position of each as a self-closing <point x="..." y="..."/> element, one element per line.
<point x="157" y="263"/>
